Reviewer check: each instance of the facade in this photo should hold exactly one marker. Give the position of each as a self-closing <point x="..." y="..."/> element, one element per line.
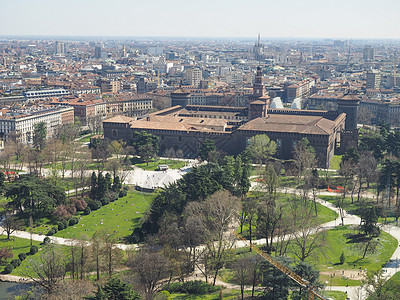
<point x="301" y="89"/>
<point x="23" y="122"/>
<point x="373" y="79"/>
<point x="193" y="76"/>
<point x="368" y="53"/>
<point x="43" y="94"/>
<point x="60" y="48"/>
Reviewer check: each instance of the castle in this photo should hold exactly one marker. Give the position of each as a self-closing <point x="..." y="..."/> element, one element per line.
<point x="186" y="127"/>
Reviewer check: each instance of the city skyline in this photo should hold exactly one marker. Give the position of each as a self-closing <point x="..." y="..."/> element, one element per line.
<point x="354" y="19"/>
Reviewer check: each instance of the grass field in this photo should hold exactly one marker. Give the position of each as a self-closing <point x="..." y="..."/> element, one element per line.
<point x="335" y="162"/>
<point x="226" y="293"/>
<point x="152" y="166"/>
<point x="18" y="246"/>
<point x="120" y="216"/>
<point x="341" y="239"/>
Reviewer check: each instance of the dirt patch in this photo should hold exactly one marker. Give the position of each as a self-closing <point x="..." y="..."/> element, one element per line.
<point x="349" y="274"/>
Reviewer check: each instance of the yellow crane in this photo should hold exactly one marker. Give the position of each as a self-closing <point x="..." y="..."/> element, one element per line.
<point x="312" y="291"/>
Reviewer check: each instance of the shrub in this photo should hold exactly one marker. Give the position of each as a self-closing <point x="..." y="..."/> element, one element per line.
<point x="195" y="287"/>
<point x="126" y="188"/>
<point x="122" y="193"/>
<point x="51" y="232"/>
<point x="64" y="212"/>
<point x="55" y="228"/>
<point x="22" y="256"/>
<point x="46" y="240"/>
<point x="80" y="204"/>
<point x="87" y="210"/>
<point x="105" y="200"/>
<point x="5" y="254"/>
<point x="94" y="205"/>
<point x="112" y="196"/>
<point x="34" y="249"/>
<point x="73" y="221"/>
<point x="16" y="262"/>
<point x="8" y="268"/>
<point x="61" y="226"/>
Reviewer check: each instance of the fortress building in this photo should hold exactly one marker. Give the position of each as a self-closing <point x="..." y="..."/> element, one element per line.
<point x="186" y="127"/>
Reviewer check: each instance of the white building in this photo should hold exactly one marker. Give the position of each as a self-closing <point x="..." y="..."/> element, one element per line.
<point x="23" y="122"/>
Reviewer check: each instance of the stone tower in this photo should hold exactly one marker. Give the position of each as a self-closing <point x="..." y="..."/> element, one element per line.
<point x="348" y="104"/>
<point x="180" y="97"/>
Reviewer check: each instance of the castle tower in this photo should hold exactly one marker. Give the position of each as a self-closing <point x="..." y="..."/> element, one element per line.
<point x="348" y="104"/>
<point x="258" y="86"/>
<point x="259" y="102"/>
<point x="180" y="97"/>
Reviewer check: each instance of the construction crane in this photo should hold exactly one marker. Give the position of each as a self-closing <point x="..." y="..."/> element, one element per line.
<point x="312" y="291"/>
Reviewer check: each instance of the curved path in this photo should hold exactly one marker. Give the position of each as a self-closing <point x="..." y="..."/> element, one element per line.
<point x="353" y="292"/>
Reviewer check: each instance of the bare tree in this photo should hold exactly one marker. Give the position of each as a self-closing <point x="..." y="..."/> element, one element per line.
<point x="308" y="238"/>
<point x="219" y="213"/>
<point x="150" y="268"/>
<point x="49" y="268"/>
<point x="10" y="222"/>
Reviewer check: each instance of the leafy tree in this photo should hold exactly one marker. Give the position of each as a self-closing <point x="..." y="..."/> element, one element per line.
<point x="147" y="153"/>
<point x="117" y="184"/>
<point x="261" y="148"/>
<point x="39" y="135"/>
<point x="93" y="186"/>
<point x="369" y="220"/>
<point x="308" y="273"/>
<point x="142" y="138"/>
<point x="39" y="197"/>
<point x="114" y="289"/>
<point x="206" y="148"/>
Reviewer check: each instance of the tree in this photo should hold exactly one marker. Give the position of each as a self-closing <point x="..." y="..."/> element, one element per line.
<point x="39" y="135"/>
<point x="308" y="238"/>
<point x="369" y="220"/>
<point x="9" y="223"/>
<point x="308" y="273"/>
<point x="49" y="269"/>
<point x="114" y="289"/>
<point x="304" y="157"/>
<point x="275" y="282"/>
<point x="147" y="153"/>
<point x="38" y="197"/>
<point x="206" y="148"/>
<point x="261" y="148"/>
<point x="242" y="272"/>
<point x="218" y="213"/>
<point x="149" y="268"/>
<point x="379" y="287"/>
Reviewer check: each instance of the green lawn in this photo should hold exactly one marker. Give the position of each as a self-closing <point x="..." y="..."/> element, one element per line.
<point x="335" y="162"/>
<point x="152" y="166"/>
<point x="336" y="295"/>
<point x="120" y="216"/>
<point x="18" y="246"/>
<point x="353" y="208"/>
<point x="339" y="240"/>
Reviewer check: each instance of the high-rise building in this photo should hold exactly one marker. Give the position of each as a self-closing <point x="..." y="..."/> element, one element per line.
<point x="97" y="52"/>
<point x="373" y="79"/>
<point x="194" y="76"/>
<point x="60" y="48"/>
<point x="368" y="53"/>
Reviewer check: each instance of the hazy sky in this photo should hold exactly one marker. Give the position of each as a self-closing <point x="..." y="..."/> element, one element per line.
<point x="203" y="18"/>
